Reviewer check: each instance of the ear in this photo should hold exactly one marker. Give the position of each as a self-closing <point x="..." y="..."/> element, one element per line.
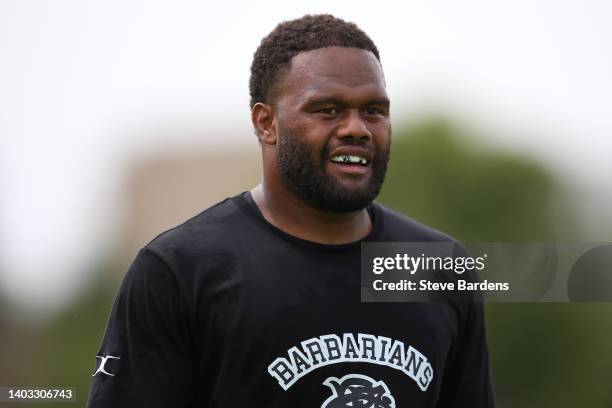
<point x="264" y="121"/>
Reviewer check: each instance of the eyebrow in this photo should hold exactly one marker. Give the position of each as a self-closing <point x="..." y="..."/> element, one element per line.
<point x="335" y="101"/>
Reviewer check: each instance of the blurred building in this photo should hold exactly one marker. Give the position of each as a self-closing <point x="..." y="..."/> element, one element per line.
<point x="163" y="190"/>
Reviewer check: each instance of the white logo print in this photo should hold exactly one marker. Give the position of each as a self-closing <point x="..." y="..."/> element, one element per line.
<point x="357" y="390"/>
<point x="102" y="363"/>
<point x="331" y="349"/>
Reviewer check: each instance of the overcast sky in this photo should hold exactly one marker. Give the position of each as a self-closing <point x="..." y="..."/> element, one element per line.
<point x="85" y="85"/>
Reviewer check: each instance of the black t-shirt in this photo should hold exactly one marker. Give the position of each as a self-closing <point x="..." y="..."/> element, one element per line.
<point x="226" y="310"/>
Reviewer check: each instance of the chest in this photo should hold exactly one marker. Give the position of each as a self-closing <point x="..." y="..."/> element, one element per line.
<point x="294" y="325"/>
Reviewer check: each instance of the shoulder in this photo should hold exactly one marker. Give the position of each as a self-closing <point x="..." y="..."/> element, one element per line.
<point x="207" y="232"/>
<point x="399" y="227"/>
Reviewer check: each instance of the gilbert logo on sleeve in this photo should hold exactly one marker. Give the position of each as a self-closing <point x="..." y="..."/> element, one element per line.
<point x="101" y="367"/>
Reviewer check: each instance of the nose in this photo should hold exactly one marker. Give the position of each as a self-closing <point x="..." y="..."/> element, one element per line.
<point x="354" y="126"/>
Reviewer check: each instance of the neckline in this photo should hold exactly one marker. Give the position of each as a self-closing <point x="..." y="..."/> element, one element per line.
<point x="245" y="202"/>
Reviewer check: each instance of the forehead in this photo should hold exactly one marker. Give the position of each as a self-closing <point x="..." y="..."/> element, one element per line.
<point x="335" y="72"/>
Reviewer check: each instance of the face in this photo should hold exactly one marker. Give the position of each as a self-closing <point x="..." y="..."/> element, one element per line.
<point x="333" y="128"/>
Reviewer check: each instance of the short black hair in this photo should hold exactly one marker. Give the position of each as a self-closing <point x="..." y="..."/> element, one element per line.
<point x="289" y="38"/>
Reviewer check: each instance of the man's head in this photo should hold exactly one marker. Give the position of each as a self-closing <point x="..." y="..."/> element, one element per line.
<point x="321" y="112"/>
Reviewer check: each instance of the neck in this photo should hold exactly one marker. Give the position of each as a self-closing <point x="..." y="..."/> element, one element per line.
<point x="290" y="214"/>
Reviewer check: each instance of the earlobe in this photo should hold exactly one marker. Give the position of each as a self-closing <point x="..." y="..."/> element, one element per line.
<point x="263" y="119"/>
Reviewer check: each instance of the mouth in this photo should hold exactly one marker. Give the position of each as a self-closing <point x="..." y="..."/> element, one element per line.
<point x="349" y="159"/>
<point x="351" y="165"/>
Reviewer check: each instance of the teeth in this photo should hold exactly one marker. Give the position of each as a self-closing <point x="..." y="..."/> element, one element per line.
<point x="349" y="159"/>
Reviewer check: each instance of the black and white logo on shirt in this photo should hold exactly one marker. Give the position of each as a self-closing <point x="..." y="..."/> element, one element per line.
<point x="101" y="367"/>
<point x="330" y="349"/>
<point x="358" y="390"/>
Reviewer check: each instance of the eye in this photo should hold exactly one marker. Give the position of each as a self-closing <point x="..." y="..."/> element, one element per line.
<point x="374" y="111"/>
<point x="329" y="111"/>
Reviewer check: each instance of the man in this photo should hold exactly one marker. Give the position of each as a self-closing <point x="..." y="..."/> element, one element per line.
<point x="255" y="302"/>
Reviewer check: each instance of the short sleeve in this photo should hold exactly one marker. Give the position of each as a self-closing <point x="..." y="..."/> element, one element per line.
<point x="467" y="378"/>
<point x="146" y="356"/>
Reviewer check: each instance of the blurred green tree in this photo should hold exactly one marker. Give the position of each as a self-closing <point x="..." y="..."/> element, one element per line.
<point x="447" y="181"/>
<point x="542" y="355"/>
